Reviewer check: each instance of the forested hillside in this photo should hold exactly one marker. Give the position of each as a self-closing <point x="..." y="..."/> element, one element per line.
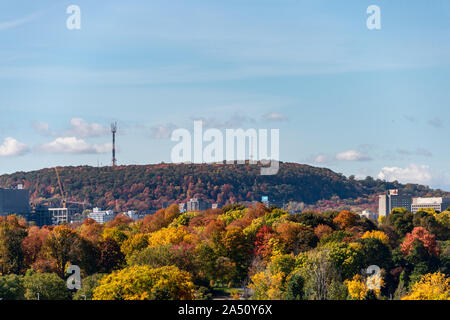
<point x="150" y="186"/>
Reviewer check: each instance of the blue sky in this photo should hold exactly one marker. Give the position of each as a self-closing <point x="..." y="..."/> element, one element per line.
<point x="357" y="101"/>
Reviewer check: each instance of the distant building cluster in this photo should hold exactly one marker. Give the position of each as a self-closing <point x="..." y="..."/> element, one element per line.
<point x="391" y="200"/>
<point x="16" y="201"/>
<point x="196" y="204"/>
<point x="102" y="216"/>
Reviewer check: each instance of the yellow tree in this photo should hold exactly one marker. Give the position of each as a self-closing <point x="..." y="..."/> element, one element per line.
<point x="134" y="243"/>
<point x="380" y="235"/>
<point x="267" y="286"/>
<point x="357" y="287"/>
<point x="63" y="245"/>
<point x="432" y="286"/>
<point x="170" y="235"/>
<point x="146" y="283"/>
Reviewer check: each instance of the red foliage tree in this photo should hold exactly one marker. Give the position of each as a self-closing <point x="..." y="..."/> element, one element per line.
<point x="32" y="244"/>
<point x="262" y="247"/>
<point x="421" y="234"/>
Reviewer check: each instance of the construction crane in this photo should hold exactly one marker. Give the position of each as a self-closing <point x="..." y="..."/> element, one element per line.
<point x="63" y="196"/>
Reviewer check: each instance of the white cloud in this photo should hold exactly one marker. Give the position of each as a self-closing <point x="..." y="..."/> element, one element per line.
<point x="74" y="145"/>
<point x="275" y="117"/>
<point x="12" y="147"/>
<point x="412" y="174"/>
<point x="322" y="158"/>
<point x="352" y="155"/>
<point x="81" y="128"/>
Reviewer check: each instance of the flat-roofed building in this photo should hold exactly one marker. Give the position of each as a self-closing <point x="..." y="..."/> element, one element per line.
<point x="196" y="204"/>
<point x="134" y="215"/>
<point x="369" y="215"/>
<point x="102" y="216"/>
<point x="438" y="204"/>
<point x="388" y="202"/>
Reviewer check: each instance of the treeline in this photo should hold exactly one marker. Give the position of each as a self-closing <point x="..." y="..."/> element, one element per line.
<point x="216" y="253"/>
<point x="152" y="186"/>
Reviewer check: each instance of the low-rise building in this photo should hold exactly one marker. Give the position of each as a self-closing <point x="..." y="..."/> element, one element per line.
<point x="134" y="215"/>
<point x="369" y="215"/>
<point x="102" y="216"/>
<point x="438" y="204"/>
<point x="196" y="204"/>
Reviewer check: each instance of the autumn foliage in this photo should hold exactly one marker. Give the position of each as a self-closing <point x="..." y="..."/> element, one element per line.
<point x="216" y="253"/>
<point x="422" y="235"/>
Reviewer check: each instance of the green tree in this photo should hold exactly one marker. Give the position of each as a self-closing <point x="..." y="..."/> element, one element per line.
<point x="48" y="286"/>
<point x="11" y="287"/>
<point x="294" y="290"/>
<point x="401" y="220"/>
<point x="375" y="252"/>
<point x="88" y="285"/>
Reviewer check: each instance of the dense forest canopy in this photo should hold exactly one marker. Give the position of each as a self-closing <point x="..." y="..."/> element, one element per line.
<point x="144" y="187"/>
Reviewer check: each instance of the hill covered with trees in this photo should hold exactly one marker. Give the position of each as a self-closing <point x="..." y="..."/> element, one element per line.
<point x="144" y="187"/>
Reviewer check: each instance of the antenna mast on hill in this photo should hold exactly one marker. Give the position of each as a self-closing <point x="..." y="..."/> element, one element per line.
<point x="113" y="131"/>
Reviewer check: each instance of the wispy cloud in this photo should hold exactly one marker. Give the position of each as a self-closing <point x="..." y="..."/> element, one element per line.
<point x="81" y="128"/>
<point x="18" y="22"/>
<point x="275" y="116"/>
<point x="349" y="155"/>
<point x="417" y="152"/>
<point x="236" y="120"/>
<point x="73" y="145"/>
<point x="436" y="122"/>
<point x="78" y="128"/>
<point x="162" y="131"/>
<point x="352" y="155"/>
